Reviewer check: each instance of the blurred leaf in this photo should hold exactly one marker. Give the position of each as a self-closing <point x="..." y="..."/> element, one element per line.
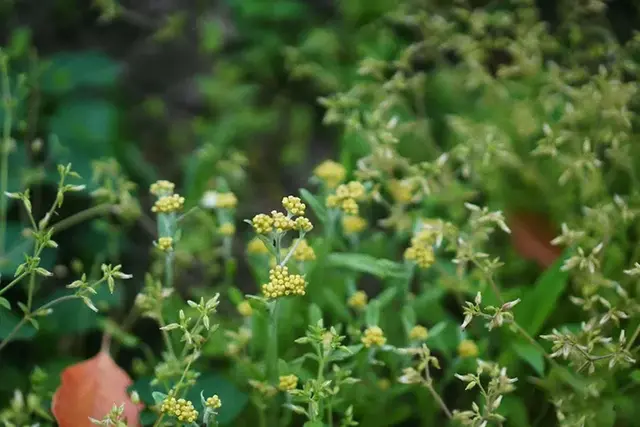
<point x="342" y="354"/>
<point x="386" y="297"/>
<point x="337" y="305"/>
<point x="120" y="335"/>
<point x="233" y="400"/>
<point x="372" y="315"/>
<point x="88" y="124"/>
<point x="17" y="246"/>
<point x="315" y="314"/>
<point x="4" y="303"/>
<point x="316" y="205"/>
<point x="72" y="317"/>
<point x="541" y="301"/>
<point x="530" y="354"/>
<point x="69" y="71"/>
<point x="9" y="320"/>
<point x="367" y="264"/>
<point x="516" y="411"/>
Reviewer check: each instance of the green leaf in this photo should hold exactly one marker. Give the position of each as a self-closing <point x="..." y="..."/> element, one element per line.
<point x="17" y="247"/>
<point x="530" y="354"/>
<point x="516" y="411"/>
<point x="8" y="321"/>
<point x="69" y="71"/>
<point x="158" y="397"/>
<point x="541" y="301"/>
<point x="385" y="298"/>
<point x="341" y="354"/>
<point x="315" y="314"/>
<point x="86" y="124"/>
<point x="336" y="304"/>
<point x="372" y="314"/>
<point x="5" y="303"/>
<point x="74" y="316"/>
<point x="408" y="316"/>
<point x="316" y="205"/>
<point x="314" y="424"/>
<point x="363" y="263"/>
<point x="235" y="295"/>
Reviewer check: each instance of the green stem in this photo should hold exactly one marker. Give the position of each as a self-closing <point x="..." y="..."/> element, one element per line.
<point x="4" y="147"/>
<point x="81" y="216"/>
<point x="26" y="318"/>
<point x="13" y="283"/>
<point x="165" y="336"/>
<point x="633" y="338"/>
<point x="272" y="355"/>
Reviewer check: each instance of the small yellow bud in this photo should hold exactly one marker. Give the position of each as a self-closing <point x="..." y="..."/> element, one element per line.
<point x="373" y="337"/>
<point x="165" y="244"/>
<point x="467" y="349"/>
<point x="353" y="224"/>
<point x="294" y="205"/>
<point x="288" y="382"/>
<point x="162" y="188"/>
<point x="227" y="229"/>
<point x="257" y="247"/>
<point x="303" y="251"/>
<point x="358" y="300"/>
<point x="244" y="308"/>
<point x="418" y="333"/>
<point x="213" y="402"/>
<point x="330" y="172"/>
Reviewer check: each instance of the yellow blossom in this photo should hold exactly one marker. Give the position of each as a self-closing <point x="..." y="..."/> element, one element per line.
<point x="168" y="204"/>
<point x="162" y="188"/>
<point x="227" y="229"/>
<point x="262" y="224"/>
<point x="213" y="402"/>
<point x="288" y="382"/>
<point x="257" y="247"/>
<point x="330" y="172"/>
<point x="353" y="224"/>
<point x="244" y="308"/>
<point x="401" y="190"/>
<point x="373" y="337"/>
<point x="182" y="409"/>
<point x="418" y="333"/>
<point x="281" y="283"/>
<point x="294" y="205"/>
<point x="303" y="251"/>
<point x="467" y="348"/>
<point x="165" y="244"/>
<point x="346" y="197"/>
<point x="303" y="223"/>
<point x="422" y="255"/>
<point x="358" y="300"/>
<point x="281" y="222"/>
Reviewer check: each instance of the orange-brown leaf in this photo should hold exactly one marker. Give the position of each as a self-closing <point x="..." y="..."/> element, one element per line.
<point x="531" y="235"/>
<point x="90" y="389"/>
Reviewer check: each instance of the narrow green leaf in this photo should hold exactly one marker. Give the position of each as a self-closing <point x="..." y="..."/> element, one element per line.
<point x="530" y="354"/>
<point x="5" y="303"/>
<point x="316" y="205"/>
<point x="363" y="263"/>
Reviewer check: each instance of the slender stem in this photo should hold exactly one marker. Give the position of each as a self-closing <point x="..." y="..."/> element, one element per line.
<point x="4" y="147"/>
<point x="13" y="283"/>
<point x="168" y="270"/>
<point x="81" y="216"/>
<point x="633" y="338"/>
<point x="291" y="251"/>
<point x="165" y="336"/>
<point x="438" y="399"/>
<point x="26" y="318"/>
<point x="272" y="356"/>
<point x="492" y="282"/>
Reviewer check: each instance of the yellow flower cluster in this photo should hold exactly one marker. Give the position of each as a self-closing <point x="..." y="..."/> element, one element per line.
<point x="353" y="224"/>
<point x="226" y="200"/>
<point x="281" y="283"/>
<point x="162" y="188"/>
<point x="264" y="224"/>
<point x="418" y="333"/>
<point x="165" y="244"/>
<point x="257" y="247"/>
<point x="330" y="172"/>
<point x="421" y="249"/>
<point x="294" y="205"/>
<point x="358" y="300"/>
<point x="373" y="337"/>
<point x="182" y="409"/>
<point x="244" y="308"/>
<point x="168" y="204"/>
<point x="401" y="190"/>
<point x="213" y="402"/>
<point x="346" y="197"/>
<point x="227" y="229"/>
<point x="467" y="349"/>
<point x="304" y="252"/>
<point x="288" y="382"/>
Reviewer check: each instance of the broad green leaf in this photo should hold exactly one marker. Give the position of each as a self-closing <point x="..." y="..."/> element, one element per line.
<point x="530" y="354"/>
<point x="9" y="320"/>
<point x="88" y="125"/>
<point x="515" y="411"/>
<point x="367" y="264"/>
<point x="316" y="205"/>
<point x="372" y="315"/>
<point x="541" y="301"/>
<point x="17" y="246"/>
<point x="5" y="303"/>
<point x="315" y="314"/>
<point x="69" y="71"/>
